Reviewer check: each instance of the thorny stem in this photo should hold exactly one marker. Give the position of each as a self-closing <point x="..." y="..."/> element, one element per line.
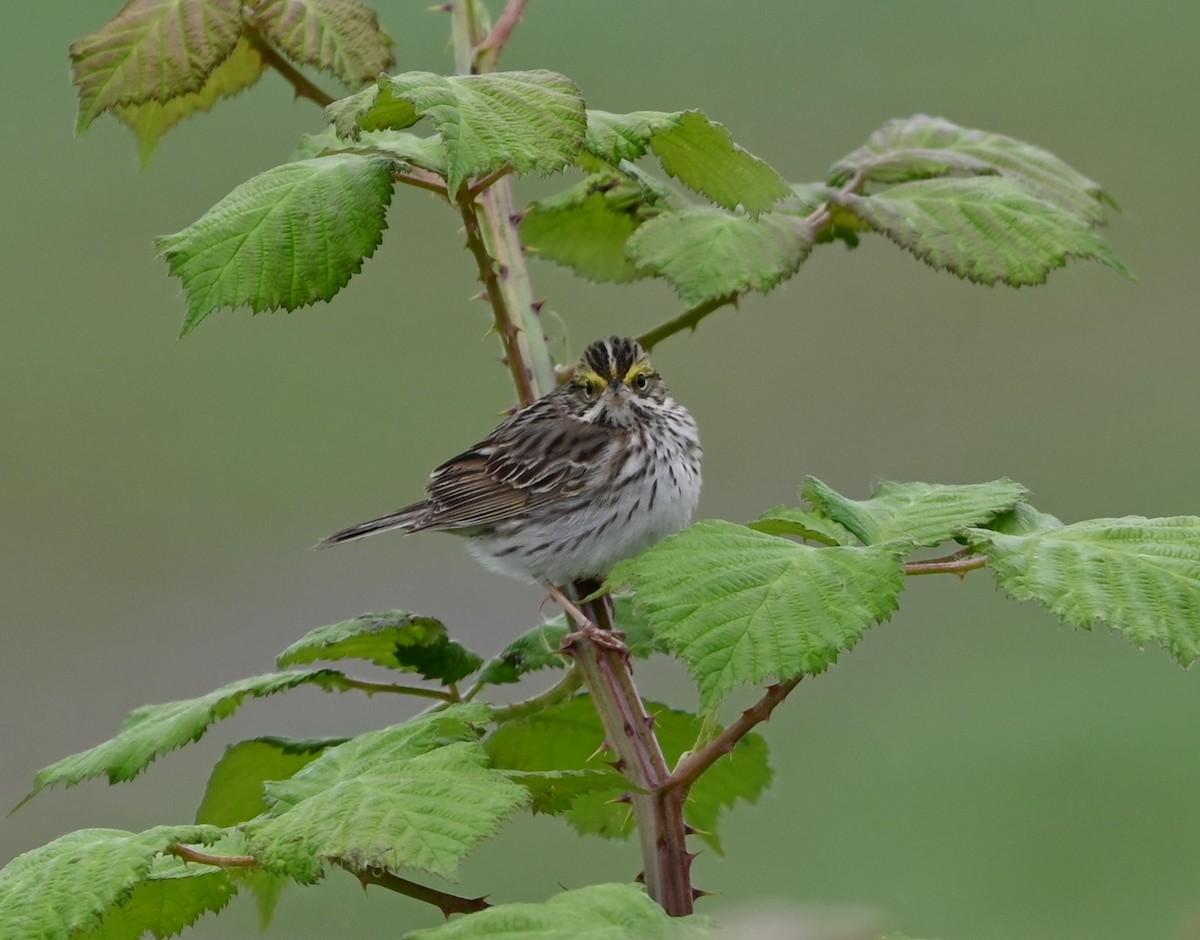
<point x="492" y="206"/>
<point x="486" y="54"/>
<point x="629" y="733"/>
<point x="297" y="79"/>
<point x="817" y="220"/>
<point x="508" y="331"/>
<point x="447" y="903"/>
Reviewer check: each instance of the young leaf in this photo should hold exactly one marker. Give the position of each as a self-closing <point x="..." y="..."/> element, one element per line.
<point x="150" y="120"/>
<point x="597" y="912"/>
<point x="235" y="786"/>
<point x="286" y="238"/>
<point x="587" y="226"/>
<point x="407" y="150"/>
<point x="739" y="607"/>
<point x="803" y="523"/>
<point x="984" y="229"/>
<point x="69" y="885"/>
<point x="920" y="147"/>
<point x="419" y="795"/>
<point x="524" y="120"/>
<point x="616" y="137"/>
<point x="701" y="154"/>
<point x="539" y="648"/>
<point x="708" y="253"/>
<point x="567" y="737"/>
<point x="915" y="513"/>
<point x="153" y="50"/>
<point x="338" y="36"/>
<point x="393" y="638"/>
<point x="1140" y="576"/>
<point x="153" y="730"/>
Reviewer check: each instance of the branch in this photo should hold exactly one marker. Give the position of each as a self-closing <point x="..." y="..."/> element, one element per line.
<point x="564" y="688"/>
<point x="689" y="319"/>
<point x="486" y="182"/>
<point x="423" y="179"/>
<point x="692" y="766"/>
<point x="395" y="689"/>
<point x="486" y="54"/>
<point x="188" y="854"/>
<point x="959" y="563"/>
<point x="447" y="903"/>
<point x="299" y="82"/>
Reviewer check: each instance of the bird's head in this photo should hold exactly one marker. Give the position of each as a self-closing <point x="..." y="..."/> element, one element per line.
<point x="614" y="383"/>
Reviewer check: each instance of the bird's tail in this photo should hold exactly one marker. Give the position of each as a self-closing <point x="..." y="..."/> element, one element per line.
<point x="404" y="519"/>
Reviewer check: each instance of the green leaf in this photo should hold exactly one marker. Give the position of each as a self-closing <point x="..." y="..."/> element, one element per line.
<point x="569" y="737"/>
<point x="915" y="513"/>
<point x="803" y="523"/>
<point x="741" y="607"/>
<point x="173" y="896"/>
<point x="153" y="50"/>
<point x="418" y="795"/>
<point x="921" y="146"/>
<point x="708" y="253"/>
<point x="554" y="792"/>
<point x="150" y="120"/>
<point x="587" y="226"/>
<point x="286" y="238"/>
<point x="701" y="154"/>
<point x="153" y="730"/>
<point x="524" y="120"/>
<point x="338" y="36"/>
<point x="1140" y="576"/>
<point x="539" y="648"/>
<point x="597" y="912"/>
<point x="392" y="638"/>
<point x="69" y="885"/>
<point x="235" y="786"/>
<point x="407" y="150"/>
<point x="617" y="137"/>
<point x="984" y="229"/>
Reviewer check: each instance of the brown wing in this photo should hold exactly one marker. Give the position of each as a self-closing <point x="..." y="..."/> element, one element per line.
<point x="532" y="459"/>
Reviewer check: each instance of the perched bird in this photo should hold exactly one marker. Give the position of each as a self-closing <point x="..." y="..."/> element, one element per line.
<point x="599" y="469"/>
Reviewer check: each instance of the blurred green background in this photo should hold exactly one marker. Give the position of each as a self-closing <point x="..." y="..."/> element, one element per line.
<point x="973" y="771"/>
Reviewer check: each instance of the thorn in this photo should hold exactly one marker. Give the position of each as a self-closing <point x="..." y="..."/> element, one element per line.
<point x="689" y="830"/>
<point x="641" y="879"/>
<point x="604" y="746"/>
<point x="618" y="765"/>
<point x="440" y="8"/>
<point x="516" y="218"/>
<point x="502" y="270"/>
<point x="698" y="893"/>
<point x="623" y="798"/>
<point x="651" y="721"/>
<point x="537" y="306"/>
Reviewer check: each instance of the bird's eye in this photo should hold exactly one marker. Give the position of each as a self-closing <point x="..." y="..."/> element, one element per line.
<point x="589" y="388"/>
<point x="640" y="381"/>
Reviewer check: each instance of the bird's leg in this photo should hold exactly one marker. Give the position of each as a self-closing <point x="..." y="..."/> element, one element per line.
<point x="587" y="629"/>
